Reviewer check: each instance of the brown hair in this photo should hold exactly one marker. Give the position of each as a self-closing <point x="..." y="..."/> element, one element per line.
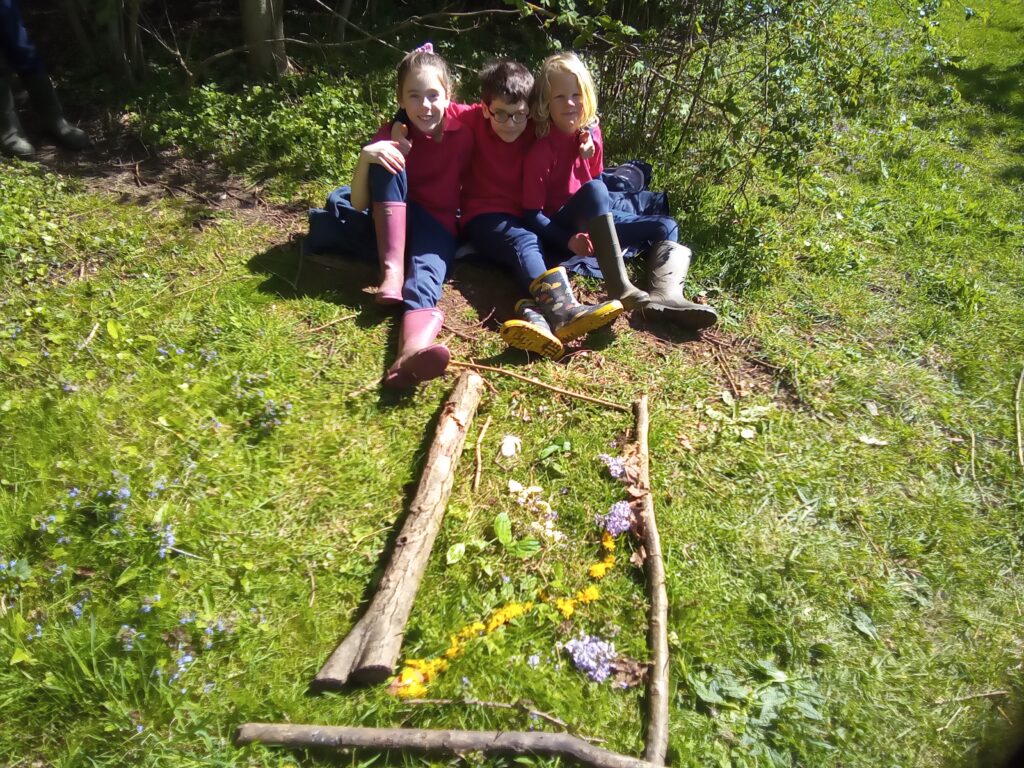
<point x="419" y="60"/>
<point x="505" y="79"/>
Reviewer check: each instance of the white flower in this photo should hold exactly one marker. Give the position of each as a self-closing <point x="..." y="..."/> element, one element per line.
<point x="510" y="446"/>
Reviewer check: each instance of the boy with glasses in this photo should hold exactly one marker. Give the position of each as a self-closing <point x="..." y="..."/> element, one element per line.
<point x="492" y="214"/>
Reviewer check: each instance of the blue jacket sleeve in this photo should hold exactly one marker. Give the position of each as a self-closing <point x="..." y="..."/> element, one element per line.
<point x="547" y="230"/>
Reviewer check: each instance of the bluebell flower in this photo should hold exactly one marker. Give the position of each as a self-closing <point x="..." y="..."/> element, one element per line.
<point x="533" y="661"/>
<point x="616" y="466"/>
<point x="618" y="520"/>
<point x="592" y="656"/>
<point x="33" y="635"/>
<point x="73" y="492"/>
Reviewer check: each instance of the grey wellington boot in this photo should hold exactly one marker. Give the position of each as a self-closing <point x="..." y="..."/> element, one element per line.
<point x="12" y="137"/>
<point x="667" y="265"/>
<point x="609" y="257"/>
<point x="47" y="105"/>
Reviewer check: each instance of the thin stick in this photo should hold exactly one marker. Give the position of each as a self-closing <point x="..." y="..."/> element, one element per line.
<point x="875" y="547"/>
<point x="968" y="697"/>
<point x="312" y="585"/>
<point x="725" y="369"/>
<point x="90" y="337"/>
<point x="450" y="743"/>
<point x="520" y="706"/>
<point x="1016" y="416"/>
<point x="460" y="334"/>
<point x="479" y="458"/>
<point x="656" y="739"/>
<point x="542" y="385"/>
<point x="332" y="322"/>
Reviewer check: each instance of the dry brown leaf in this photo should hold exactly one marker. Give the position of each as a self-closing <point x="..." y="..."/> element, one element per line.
<point x="628" y="672"/>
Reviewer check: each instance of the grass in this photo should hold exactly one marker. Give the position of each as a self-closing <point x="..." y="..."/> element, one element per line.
<point x="833" y="602"/>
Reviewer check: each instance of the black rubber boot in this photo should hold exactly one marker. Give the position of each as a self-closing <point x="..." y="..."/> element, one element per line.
<point x="530" y="331"/>
<point x="47" y="105"/>
<point x="609" y="258"/>
<point x="567" y="317"/>
<point x="667" y="266"/>
<point x="12" y="138"/>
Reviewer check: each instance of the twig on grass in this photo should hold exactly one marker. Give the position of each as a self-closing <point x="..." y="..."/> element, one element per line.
<point x="520" y="706"/>
<point x="878" y="552"/>
<point x="90" y="337"/>
<point x="479" y="458"/>
<point x="968" y="697"/>
<point x="1016" y="418"/>
<point x="950" y="721"/>
<point x="725" y="369"/>
<point x="332" y="322"/>
<point x="460" y="334"/>
<point x="542" y="385"/>
<point x="184" y="552"/>
<point x="312" y="584"/>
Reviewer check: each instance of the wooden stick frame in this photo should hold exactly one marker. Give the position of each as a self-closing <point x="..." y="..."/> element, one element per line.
<point x="368" y="654"/>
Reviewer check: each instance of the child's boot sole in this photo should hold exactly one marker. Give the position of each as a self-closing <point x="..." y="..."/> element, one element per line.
<point x="523" y="335"/>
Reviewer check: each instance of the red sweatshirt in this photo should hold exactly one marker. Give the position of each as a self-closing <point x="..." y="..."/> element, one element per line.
<point x="494" y="182"/>
<point x="436" y="169"/>
<point x="554" y="170"/>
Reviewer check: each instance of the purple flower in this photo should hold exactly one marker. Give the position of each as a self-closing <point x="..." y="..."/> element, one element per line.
<point x="618" y="520"/>
<point x="592" y="656"/>
<point x="533" y="661"/>
<point x="167" y="540"/>
<point x="616" y="466"/>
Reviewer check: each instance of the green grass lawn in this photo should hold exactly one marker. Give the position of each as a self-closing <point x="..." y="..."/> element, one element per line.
<point x="199" y="481"/>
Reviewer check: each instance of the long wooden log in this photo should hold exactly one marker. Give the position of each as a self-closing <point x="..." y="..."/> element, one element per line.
<point x="656" y="741"/>
<point x="436" y="742"/>
<point x="369" y="652"/>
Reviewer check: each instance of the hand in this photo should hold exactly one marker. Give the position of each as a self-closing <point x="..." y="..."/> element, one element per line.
<point x="400" y="135"/>
<point x="587" y="146"/>
<point x="580" y="244"/>
<point x="386" y="154"/>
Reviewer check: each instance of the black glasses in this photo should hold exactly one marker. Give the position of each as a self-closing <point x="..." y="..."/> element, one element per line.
<point x="517" y="117"/>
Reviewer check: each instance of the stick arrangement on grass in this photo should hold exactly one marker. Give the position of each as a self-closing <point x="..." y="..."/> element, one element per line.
<point x="369" y="653"/>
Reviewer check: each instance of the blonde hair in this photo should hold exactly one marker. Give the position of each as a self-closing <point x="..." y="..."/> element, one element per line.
<point x="540" y="98"/>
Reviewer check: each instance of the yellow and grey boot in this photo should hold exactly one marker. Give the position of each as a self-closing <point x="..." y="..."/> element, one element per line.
<point x="12" y="138"/>
<point x="567" y="317"/>
<point x="530" y="331"/>
<point x="667" y="266"/>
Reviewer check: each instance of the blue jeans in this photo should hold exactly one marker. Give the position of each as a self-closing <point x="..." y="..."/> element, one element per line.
<point x="15" y="44"/>
<point x="642" y="231"/>
<point x="588" y="201"/>
<point x="503" y="238"/>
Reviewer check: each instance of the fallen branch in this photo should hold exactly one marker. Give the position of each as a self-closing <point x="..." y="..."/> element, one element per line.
<point x="370" y="650"/>
<point x="479" y="457"/>
<point x="656" y="739"/>
<point x="450" y="743"/>
<point x="1016" y="417"/>
<point x="541" y="384"/>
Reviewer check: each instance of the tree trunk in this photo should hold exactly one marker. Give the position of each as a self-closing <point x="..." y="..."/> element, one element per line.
<point x="263" y="26"/>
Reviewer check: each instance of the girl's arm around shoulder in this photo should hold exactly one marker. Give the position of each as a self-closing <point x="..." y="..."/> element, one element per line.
<point x="384" y="153"/>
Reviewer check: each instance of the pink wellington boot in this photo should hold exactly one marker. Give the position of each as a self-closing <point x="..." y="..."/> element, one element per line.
<point x="419" y="358"/>
<point x="389" y="225"/>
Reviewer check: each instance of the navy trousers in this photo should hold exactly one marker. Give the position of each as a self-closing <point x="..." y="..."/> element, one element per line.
<point x="15" y="43"/>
